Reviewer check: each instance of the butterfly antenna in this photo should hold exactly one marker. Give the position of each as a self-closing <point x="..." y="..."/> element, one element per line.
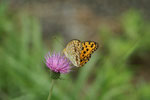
<point x="59" y="41"/>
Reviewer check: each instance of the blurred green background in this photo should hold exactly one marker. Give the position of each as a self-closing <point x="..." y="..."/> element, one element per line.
<point x="119" y="70"/>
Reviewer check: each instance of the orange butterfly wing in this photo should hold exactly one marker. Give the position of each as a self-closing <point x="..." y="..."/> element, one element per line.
<point x="88" y="47"/>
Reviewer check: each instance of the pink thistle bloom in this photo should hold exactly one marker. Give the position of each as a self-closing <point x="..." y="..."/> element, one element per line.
<point x="58" y="63"/>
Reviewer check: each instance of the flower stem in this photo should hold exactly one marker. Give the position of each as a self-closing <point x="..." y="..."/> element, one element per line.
<point x="51" y="89"/>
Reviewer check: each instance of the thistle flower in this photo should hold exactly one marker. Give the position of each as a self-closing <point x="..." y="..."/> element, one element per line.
<point x="57" y="63"/>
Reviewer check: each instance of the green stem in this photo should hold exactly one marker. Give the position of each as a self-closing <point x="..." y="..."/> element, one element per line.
<point x="51" y="89"/>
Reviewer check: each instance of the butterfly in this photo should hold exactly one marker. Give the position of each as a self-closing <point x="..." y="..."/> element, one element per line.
<point x="79" y="53"/>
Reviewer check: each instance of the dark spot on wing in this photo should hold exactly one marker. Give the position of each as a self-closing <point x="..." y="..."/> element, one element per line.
<point x="76" y="58"/>
<point x="84" y="52"/>
<point x="78" y="44"/>
<point x="85" y="62"/>
<point x="75" y="49"/>
<point x="88" y="59"/>
<point x="87" y="49"/>
<point x="91" y="45"/>
<point x="82" y="48"/>
<point x="90" y="56"/>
